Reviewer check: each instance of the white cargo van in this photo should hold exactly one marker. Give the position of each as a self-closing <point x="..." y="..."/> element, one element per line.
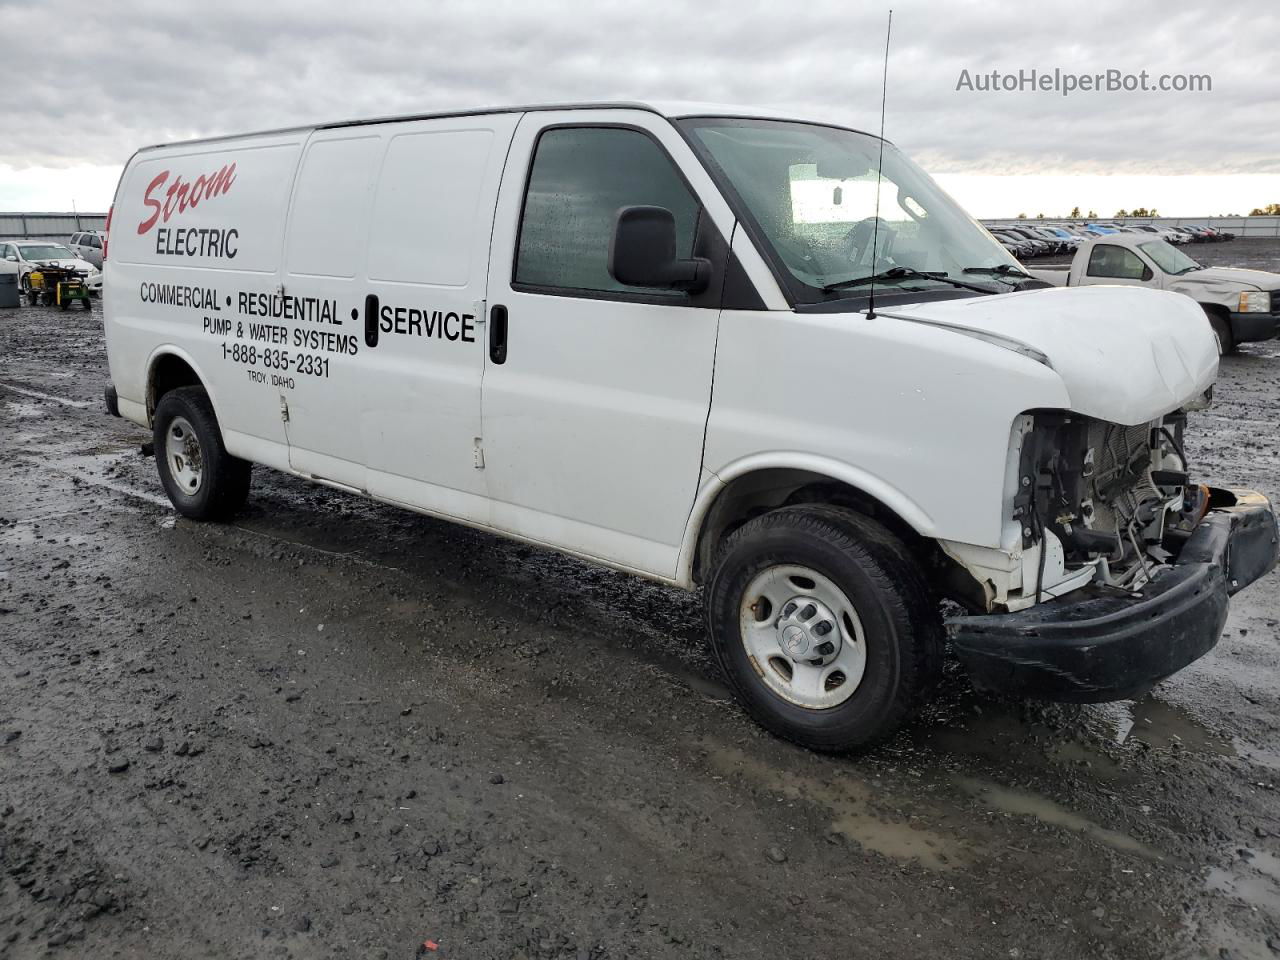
<point x="644" y="334"/>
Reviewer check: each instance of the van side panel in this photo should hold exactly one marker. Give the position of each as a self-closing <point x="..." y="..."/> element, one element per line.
<point x="428" y="261"/>
<point x="386" y="256"/>
<point x="321" y="332"/>
<point x="195" y="230"/>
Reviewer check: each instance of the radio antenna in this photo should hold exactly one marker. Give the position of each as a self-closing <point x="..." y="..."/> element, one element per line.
<point x="875" y="223"/>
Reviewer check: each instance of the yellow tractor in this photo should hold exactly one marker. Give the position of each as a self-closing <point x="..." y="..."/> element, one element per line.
<point x="57" y="285"/>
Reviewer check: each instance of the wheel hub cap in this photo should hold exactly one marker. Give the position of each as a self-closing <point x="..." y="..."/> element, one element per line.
<point x="186" y="464"/>
<point x="807" y="631"/>
<point x="803" y="636"/>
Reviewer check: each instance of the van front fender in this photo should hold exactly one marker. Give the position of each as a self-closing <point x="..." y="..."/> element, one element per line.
<point x="820" y="468"/>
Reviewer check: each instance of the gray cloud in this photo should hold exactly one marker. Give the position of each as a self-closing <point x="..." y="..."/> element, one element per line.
<point x="141" y="72"/>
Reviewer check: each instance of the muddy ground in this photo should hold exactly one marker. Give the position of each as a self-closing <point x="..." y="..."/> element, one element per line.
<point x="333" y="729"/>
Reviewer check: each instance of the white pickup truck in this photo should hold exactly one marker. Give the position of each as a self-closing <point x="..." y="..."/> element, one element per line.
<point x="1242" y="305"/>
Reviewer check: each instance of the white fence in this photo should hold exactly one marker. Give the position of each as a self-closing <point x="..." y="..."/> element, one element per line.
<point x="1240" y="226"/>
<point x="50" y="226"/>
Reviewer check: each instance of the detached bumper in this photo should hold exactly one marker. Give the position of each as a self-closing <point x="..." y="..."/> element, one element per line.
<point x="1099" y="644"/>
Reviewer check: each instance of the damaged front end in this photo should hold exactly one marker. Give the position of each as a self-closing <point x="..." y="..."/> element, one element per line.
<point x="1110" y="495"/>
<point x="1119" y="567"/>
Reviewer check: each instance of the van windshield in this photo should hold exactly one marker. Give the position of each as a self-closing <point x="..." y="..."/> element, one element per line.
<point x="811" y="191"/>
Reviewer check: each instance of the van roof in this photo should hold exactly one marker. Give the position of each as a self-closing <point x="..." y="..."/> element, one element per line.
<point x="672" y="109"/>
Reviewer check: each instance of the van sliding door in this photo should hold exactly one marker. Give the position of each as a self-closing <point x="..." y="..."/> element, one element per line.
<point x="423" y="318"/>
<point x="312" y="324"/>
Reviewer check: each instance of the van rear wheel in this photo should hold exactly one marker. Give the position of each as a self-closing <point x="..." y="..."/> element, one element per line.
<point x="823" y="625"/>
<point x="203" y="481"/>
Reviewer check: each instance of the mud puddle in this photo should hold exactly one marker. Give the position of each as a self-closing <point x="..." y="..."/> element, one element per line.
<point x="851" y="808"/>
<point x="1252" y="877"/>
<point x="1019" y="804"/>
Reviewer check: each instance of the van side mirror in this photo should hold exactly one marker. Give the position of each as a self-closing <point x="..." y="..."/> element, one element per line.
<point x="1146" y="272"/>
<point x="642" y="252"/>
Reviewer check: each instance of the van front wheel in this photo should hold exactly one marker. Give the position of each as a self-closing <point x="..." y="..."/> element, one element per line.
<point x="823" y="625"/>
<point x="203" y="481"/>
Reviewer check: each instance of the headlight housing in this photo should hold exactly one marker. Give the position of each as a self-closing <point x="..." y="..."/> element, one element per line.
<point x="1255" y="301"/>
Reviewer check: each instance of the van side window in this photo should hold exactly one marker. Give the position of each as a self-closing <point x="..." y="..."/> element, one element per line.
<point x="580" y="178"/>
<point x="1108" y="260"/>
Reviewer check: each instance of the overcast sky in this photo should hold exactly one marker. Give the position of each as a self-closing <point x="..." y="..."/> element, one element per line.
<point x="88" y="84"/>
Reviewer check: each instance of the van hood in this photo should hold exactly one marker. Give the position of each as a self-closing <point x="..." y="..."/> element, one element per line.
<point x="1226" y="279"/>
<point x="1125" y="354"/>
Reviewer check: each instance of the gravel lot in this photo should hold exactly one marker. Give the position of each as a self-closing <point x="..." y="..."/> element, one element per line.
<point x="333" y="729"/>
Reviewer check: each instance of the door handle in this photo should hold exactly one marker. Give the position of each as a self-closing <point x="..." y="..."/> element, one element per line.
<point x="371" y="320"/>
<point x="498" y="333"/>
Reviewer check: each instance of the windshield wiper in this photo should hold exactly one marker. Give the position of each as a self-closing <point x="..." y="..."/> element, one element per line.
<point x="1000" y="270"/>
<point x="900" y="273"/>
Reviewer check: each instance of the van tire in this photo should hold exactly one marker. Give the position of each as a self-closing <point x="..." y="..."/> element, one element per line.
<point x="892" y="605"/>
<point x="203" y="481"/>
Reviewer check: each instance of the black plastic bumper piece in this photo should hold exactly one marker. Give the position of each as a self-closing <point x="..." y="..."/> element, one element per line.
<point x="1254" y="327"/>
<point x="1099" y="643"/>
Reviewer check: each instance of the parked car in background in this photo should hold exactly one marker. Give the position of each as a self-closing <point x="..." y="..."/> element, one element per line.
<point x="28" y="254"/>
<point x="1164" y="233"/>
<point x="88" y="246"/>
<point x="1066" y="242"/>
<point x="1020" y="247"/>
<point x="1056" y="243"/>
<point x="1066" y="236"/>
<point x="1009" y="246"/>
<point x="1036" y="239"/>
<point x="1076" y="230"/>
<point x="1242" y="305"/>
<point x="1040" y="245"/>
